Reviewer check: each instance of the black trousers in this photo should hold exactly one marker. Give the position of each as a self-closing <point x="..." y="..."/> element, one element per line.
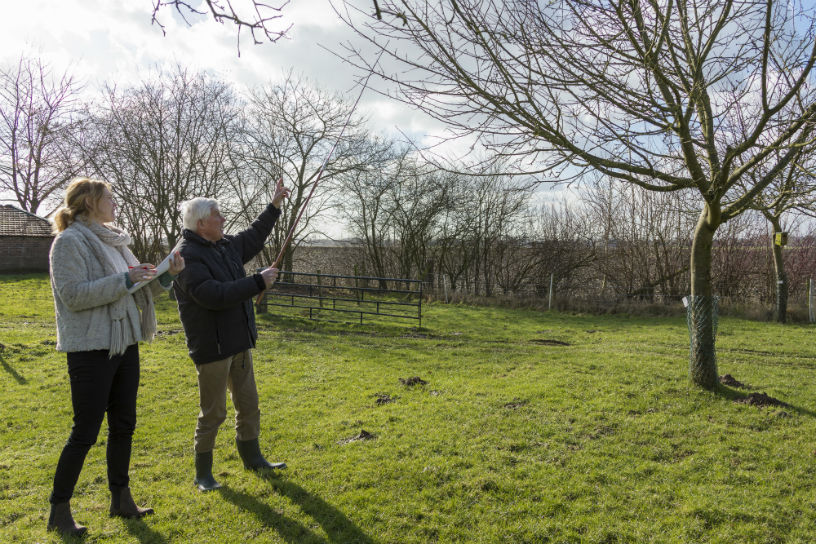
<point x="99" y="385"/>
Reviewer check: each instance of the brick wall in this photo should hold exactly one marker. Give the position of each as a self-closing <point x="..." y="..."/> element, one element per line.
<point x="24" y="253"/>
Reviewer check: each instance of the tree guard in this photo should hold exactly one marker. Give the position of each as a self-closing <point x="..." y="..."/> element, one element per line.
<point x="702" y="319"/>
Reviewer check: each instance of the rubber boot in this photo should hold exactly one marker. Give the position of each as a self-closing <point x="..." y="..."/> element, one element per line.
<point x="204" y="478"/>
<point x="123" y="505"/>
<point x="250" y="453"/>
<point x="61" y="520"/>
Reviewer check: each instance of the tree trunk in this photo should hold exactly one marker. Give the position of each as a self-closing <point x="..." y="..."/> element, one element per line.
<point x="781" y="314"/>
<point x="702" y="305"/>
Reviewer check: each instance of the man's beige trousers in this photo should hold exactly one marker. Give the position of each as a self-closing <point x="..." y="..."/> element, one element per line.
<point x="214" y="378"/>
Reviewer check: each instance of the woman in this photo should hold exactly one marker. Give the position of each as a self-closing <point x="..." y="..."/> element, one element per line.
<point x="99" y="325"/>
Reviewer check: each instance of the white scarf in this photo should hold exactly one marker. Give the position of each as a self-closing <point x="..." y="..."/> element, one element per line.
<point x="98" y="234"/>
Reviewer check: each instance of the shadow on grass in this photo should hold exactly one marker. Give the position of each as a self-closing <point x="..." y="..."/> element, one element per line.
<point x="14" y="374"/>
<point x="736" y="396"/>
<point x="141" y="531"/>
<point x="288" y="529"/>
<point x="338" y="528"/>
<point x="334" y="522"/>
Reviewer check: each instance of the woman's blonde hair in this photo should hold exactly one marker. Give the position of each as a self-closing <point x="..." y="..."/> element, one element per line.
<point x="80" y="194"/>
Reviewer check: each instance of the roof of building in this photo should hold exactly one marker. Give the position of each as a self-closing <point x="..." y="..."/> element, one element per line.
<point x="17" y="222"/>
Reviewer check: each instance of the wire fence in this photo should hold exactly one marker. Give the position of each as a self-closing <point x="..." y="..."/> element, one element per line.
<point x="744" y="281"/>
<point x="552" y="294"/>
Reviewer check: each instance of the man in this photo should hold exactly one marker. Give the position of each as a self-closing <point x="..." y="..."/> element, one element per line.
<point x="214" y="297"/>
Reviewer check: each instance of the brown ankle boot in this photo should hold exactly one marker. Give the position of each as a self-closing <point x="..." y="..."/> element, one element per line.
<point x="123" y="505"/>
<point x="62" y="521"/>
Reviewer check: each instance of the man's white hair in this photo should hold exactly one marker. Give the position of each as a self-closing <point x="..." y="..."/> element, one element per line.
<point x="197" y="208"/>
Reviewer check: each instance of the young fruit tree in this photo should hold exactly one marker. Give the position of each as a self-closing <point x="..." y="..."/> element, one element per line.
<point x="671" y="96"/>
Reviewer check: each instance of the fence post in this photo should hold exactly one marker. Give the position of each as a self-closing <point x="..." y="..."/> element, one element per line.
<point x="319" y="289"/>
<point x="549" y="301"/>
<point x="811" y="318"/>
<point x="356" y="285"/>
<point x="445" y="285"/>
<point x="419" y="306"/>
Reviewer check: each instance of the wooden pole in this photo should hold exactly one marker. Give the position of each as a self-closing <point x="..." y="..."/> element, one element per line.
<point x="549" y="302"/>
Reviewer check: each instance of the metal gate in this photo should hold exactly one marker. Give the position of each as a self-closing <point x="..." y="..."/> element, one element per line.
<point x="356" y="297"/>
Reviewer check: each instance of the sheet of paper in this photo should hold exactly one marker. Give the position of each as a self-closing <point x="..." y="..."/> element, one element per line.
<point x="161" y="268"/>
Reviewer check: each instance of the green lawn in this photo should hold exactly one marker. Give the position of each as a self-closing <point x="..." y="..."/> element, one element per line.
<point x="514" y="438"/>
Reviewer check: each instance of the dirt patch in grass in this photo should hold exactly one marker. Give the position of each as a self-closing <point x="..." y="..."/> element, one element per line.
<point x="753" y="399"/>
<point x="761" y="399"/>
<point x="384" y="398"/>
<point x="549" y="342"/>
<point x="515" y="404"/>
<point x="168" y="332"/>
<point x="362" y="435"/>
<point x="730" y="381"/>
<point x="410" y="382"/>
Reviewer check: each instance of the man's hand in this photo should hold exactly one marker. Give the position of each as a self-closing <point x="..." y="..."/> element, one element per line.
<point x="176" y="264"/>
<point x="281" y="192"/>
<point x="269" y="275"/>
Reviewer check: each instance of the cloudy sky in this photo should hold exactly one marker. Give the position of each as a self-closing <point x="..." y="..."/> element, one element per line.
<point x="114" y="41"/>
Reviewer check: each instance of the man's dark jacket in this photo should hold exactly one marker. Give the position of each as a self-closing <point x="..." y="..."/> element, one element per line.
<point x="214" y="294"/>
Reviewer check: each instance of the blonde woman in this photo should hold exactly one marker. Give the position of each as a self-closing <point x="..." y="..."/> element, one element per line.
<point x="99" y="325"/>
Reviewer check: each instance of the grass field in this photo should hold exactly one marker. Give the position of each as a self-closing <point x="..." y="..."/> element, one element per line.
<point x="532" y="427"/>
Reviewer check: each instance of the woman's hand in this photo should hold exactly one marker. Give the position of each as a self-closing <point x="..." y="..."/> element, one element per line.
<point x="141" y="272"/>
<point x="176" y="264"/>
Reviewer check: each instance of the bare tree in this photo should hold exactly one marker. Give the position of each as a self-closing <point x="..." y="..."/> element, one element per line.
<point x="794" y="188"/>
<point x="396" y="205"/>
<point x="688" y="94"/>
<point x="289" y="129"/>
<point x="645" y="242"/>
<point x="498" y="205"/>
<point x="417" y="202"/>
<point x="800" y="256"/>
<point x="742" y="269"/>
<point x="40" y="122"/>
<point x="565" y="246"/>
<point x="160" y="143"/>
<point x="260" y="18"/>
<point x="455" y="238"/>
<point x="365" y="204"/>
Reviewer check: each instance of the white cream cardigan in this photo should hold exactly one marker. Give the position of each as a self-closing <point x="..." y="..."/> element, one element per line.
<point x="82" y="293"/>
